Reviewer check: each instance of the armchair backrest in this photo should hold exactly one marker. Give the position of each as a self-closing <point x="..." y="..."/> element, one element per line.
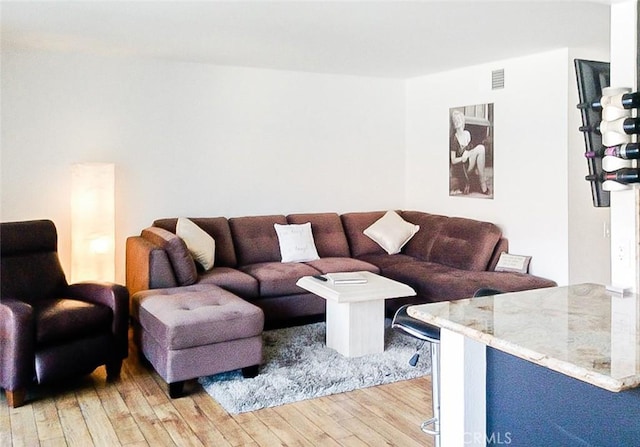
<point x="30" y="269"/>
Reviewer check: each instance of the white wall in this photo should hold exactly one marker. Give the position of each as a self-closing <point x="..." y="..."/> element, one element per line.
<point x="202" y="140"/>
<point x="195" y="140"/>
<point x="531" y="168"/>
<point x="625" y="205"/>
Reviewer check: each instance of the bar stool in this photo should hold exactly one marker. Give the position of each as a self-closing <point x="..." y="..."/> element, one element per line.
<point x="428" y="333"/>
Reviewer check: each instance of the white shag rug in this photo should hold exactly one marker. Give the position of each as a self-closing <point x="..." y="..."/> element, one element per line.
<point x="298" y="366"/>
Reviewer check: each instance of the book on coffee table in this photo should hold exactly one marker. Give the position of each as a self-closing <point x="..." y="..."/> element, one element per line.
<point x="346" y="278"/>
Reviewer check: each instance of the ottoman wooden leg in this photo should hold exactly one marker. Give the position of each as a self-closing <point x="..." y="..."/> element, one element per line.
<point x="175" y="389"/>
<point x="16" y="398"/>
<point x="250" y="371"/>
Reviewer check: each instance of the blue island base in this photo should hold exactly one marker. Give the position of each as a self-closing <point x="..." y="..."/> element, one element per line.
<point x="529" y="405"/>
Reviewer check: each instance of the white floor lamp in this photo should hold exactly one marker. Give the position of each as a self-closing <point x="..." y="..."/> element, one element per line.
<point x="92" y="222"/>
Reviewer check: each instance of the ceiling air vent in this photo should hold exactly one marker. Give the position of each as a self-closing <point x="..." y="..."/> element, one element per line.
<point x="497" y="79"/>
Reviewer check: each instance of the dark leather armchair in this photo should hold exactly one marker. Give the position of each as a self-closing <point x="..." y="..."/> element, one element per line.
<point x="48" y="328"/>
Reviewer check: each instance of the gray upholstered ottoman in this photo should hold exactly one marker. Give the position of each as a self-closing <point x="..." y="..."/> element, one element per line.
<point x="194" y="331"/>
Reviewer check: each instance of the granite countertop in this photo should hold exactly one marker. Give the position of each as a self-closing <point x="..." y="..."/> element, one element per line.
<point x="582" y="330"/>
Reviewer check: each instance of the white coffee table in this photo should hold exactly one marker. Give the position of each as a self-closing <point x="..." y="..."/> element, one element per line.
<point x="355" y="312"/>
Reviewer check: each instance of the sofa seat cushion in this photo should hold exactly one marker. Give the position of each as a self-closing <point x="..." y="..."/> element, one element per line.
<point x="64" y="319"/>
<point x="277" y="278"/>
<point x="232" y="280"/>
<point x="332" y="265"/>
<point x="382" y="261"/>
<point x="198" y="315"/>
<point x="436" y="282"/>
<point x="291" y="310"/>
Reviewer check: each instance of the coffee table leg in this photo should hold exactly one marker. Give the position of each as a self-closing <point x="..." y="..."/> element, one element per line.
<point x="355" y="329"/>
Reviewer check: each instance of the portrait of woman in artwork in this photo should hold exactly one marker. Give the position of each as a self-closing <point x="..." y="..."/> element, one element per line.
<point x="471" y="151"/>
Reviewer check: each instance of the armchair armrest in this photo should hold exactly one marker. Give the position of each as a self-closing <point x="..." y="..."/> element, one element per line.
<point x="17" y="344"/>
<point x="112" y="295"/>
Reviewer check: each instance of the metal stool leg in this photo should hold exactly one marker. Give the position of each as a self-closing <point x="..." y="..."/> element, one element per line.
<point x="425" y="332"/>
<point x="435" y="396"/>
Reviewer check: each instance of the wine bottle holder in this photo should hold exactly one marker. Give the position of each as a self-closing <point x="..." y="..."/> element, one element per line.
<point x="609" y="127"/>
<point x="592" y="77"/>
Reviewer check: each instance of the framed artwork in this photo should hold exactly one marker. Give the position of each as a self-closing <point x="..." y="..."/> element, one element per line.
<point x="471" y="151"/>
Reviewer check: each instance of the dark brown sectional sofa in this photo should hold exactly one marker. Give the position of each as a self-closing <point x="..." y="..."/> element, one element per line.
<point x="448" y="258"/>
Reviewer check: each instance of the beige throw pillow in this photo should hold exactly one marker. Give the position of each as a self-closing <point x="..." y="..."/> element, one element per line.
<point x="296" y="242"/>
<point x="200" y="244"/>
<point x="391" y="232"/>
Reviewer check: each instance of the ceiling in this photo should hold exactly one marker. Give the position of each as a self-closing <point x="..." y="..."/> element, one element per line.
<point x="396" y="39"/>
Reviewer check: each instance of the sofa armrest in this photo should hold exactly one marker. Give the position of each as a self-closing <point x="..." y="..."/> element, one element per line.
<point x="501" y="247"/>
<point x="114" y="296"/>
<point x="147" y="266"/>
<point x="17" y="344"/>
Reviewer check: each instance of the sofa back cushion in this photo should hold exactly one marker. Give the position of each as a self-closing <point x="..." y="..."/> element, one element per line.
<point x="184" y="267"/>
<point x="328" y="233"/>
<point x="218" y="229"/>
<point x="354" y="225"/>
<point x="255" y="238"/>
<point x="30" y="270"/>
<point x="465" y="244"/>
<point x="421" y="243"/>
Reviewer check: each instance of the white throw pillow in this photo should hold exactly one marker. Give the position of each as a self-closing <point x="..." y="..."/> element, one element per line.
<point x="391" y="232"/>
<point x="200" y="244"/>
<point x="296" y="242"/>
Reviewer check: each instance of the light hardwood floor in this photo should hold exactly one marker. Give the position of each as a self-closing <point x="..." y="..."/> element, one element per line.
<point x="137" y="411"/>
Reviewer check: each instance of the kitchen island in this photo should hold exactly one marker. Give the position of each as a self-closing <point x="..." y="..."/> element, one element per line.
<point x="556" y="366"/>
